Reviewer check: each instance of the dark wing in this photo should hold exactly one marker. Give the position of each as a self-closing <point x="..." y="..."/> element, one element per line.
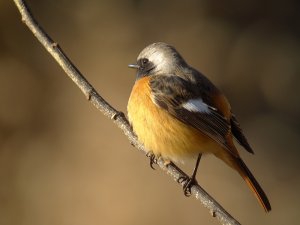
<point x="238" y="134"/>
<point x="173" y="94"/>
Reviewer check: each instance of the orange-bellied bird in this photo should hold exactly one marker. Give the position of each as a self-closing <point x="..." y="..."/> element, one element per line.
<point x="178" y="113"/>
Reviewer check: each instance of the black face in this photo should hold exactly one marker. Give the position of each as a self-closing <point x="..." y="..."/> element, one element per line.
<point x="145" y="68"/>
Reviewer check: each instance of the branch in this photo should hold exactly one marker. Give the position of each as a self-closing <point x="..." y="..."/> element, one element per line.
<point x="119" y="118"/>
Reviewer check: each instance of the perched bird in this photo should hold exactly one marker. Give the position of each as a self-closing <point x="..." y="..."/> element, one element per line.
<point x="178" y="113"/>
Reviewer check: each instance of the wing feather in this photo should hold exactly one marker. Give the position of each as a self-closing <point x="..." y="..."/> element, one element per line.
<point x="238" y="134"/>
<point x="172" y="92"/>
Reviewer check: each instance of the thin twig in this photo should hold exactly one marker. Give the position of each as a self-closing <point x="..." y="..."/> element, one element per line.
<point x="118" y="117"/>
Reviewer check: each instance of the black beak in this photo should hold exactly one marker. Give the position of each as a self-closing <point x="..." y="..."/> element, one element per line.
<point x="133" y="66"/>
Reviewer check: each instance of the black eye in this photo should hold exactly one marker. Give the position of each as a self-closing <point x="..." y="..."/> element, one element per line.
<point x="144" y="67"/>
<point x="144" y="61"/>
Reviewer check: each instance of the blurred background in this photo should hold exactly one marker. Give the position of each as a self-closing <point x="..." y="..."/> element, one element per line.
<point x="63" y="162"/>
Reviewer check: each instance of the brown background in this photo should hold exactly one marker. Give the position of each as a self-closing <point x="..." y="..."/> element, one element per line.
<point x="63" y="162"/>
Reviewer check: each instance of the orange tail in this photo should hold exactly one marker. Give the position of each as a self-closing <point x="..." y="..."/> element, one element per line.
<point x="238" y="164"/>
<point x="253" y="184"/>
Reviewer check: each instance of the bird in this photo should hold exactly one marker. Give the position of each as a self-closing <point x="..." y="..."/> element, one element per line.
<point x="178" y="114"/>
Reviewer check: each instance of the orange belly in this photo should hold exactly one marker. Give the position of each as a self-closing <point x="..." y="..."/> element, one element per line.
<point x="162" y="133"/>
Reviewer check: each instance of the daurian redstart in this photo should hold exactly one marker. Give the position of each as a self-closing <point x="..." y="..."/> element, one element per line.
<point x="177" y="113"/>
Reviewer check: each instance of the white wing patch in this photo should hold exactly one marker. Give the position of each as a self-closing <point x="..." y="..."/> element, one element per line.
<point x="196" y="105"/>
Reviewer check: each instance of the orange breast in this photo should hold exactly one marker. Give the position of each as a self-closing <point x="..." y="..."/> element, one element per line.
<point x="160" y="132"/>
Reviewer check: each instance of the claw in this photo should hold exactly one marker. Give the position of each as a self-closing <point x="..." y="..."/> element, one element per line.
<point x="181" y="180"/>
<point x="188" y="183"/>
<point x="153" y="159"/>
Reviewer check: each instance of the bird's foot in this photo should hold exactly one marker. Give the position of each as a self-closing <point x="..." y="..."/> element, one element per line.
<point x="188" y="183"/>
<point x="153" y="159"/>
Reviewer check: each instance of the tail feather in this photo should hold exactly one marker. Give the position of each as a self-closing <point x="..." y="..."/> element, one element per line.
<point x="253" y="185"/>
<point x="237" y="163"/>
